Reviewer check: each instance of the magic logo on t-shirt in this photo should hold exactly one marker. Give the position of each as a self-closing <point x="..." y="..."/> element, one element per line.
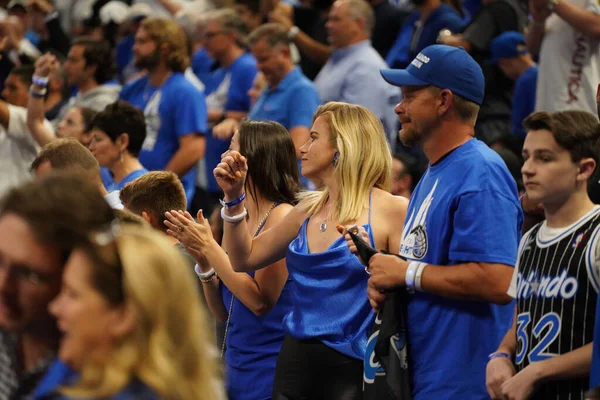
<point x="414" y="243"/>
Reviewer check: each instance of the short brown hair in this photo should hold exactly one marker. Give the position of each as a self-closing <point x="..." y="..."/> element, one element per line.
<point x="578" y="132"/>
<point x="60" y="209"/>
<point x="155" y="192"/>
<point x="166" y="32"/>
<point x="274" y="34"/>
<point x="466" y="109"/>
<point x="127" y="217"/>
<point x="68" y="154"/>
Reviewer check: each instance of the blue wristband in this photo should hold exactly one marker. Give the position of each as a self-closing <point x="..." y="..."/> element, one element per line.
<point x="499" y="354"/>
<point x="234" y="202"/>
<point x="40" y="80"/>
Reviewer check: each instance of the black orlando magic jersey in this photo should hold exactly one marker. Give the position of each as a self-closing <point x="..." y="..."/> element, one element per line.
<point x="557" y="286"/>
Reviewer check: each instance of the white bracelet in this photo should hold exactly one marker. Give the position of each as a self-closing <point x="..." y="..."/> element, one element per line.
<point x="203" y="275"/>
<point x="411" y="273"/>
<point x="235" y="218"/>
<point x="293" y="32"/>
<point x="419" y="275"/>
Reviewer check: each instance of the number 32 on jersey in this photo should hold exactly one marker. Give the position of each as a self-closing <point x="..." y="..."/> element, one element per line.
<point x="545" y="331"/>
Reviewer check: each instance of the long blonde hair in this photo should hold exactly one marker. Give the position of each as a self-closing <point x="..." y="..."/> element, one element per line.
<point x="364" y="160"/>
<point x="170" y="348"/>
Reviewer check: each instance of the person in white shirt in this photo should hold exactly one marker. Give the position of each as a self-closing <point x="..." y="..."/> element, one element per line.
<point x="17" y="146"/>
<point x="566" y="35"/>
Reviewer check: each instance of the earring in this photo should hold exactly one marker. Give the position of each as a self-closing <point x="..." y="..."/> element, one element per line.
<point x="121" y="154"/>
<point x="335" y="159"/>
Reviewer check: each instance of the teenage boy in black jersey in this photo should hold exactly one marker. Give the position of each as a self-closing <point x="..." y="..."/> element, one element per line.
<point x="548" y="350"/>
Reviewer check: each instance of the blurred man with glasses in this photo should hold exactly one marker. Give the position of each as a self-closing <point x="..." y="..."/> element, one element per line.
<point x="38" y="224"/>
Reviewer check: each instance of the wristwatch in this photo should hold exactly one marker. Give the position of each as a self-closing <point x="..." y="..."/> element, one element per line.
<point x="293" y="32"/>
<point x="552" y="4"/>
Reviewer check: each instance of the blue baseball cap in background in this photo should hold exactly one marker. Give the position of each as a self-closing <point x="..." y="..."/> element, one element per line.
<point x="445" y="67"/>
<point x="507" y="45"/>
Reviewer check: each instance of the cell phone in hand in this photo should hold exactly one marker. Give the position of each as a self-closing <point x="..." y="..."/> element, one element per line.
<point x="364" y="250"/>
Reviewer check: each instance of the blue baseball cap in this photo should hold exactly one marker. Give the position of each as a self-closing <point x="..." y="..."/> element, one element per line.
<point x="445" y="67"/>
<point x="507" y="45"/>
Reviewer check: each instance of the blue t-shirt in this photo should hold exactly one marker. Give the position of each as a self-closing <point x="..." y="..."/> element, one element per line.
<point x="523" y="100"/>
<point x="292" y="103"/>
<point x="464" y="209"/>
<point x="132" y="176"/>
<point x="201" y="65"/>
<point x="60" y="374"/>
<point x="411" y="40"/>
<point x="110" y="184"/>
<point x="174" y="110"/>
<point x="107" y="179"/>
<point x="226" y="90"/>
<point x="124" y="52"/>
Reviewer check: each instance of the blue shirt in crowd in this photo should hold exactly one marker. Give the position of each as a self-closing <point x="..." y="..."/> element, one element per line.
<point x="523" y="102"/>
<point x="292" y="103"/>
<point x="226" y="90"/>
<point x="124" y="52"/>
<point x="60" y="374"/>
<point x="415" y="35"/>
<point x="202" y="64"/>
<point x="465" y="209"/>
<point x="174" y="110"/>
<point x="352" y="75"/>
<point x="110" y="184"/>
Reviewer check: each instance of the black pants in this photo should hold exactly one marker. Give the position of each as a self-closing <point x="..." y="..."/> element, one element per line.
<point x="310" y="370"/>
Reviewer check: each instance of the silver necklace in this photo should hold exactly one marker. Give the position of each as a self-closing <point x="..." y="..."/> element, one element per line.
<point x="323" y="226"/>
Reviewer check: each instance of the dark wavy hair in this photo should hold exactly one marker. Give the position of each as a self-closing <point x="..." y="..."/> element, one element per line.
<point x="272" y="165"/>
<point x="121" y="117"/>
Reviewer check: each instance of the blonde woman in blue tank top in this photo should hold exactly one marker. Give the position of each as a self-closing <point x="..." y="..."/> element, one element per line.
<point x="348" y="157"/>
<point x="251" y="305"/>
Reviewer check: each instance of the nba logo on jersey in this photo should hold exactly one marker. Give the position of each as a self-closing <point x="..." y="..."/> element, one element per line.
<point x="578" y="240"/>
<point x="414" y="243"/>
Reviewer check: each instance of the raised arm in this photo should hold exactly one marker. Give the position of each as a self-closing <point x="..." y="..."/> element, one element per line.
<point x="35" y="106"/>
<point x="536" y="29"/>
<point x="270" y="246"/>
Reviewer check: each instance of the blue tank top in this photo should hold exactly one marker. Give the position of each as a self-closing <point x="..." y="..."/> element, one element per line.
<point x="330" y="295"/>
<point x="253" y="344"/>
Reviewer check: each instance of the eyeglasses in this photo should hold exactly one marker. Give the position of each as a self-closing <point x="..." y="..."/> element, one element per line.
<point x="25" y="273"/>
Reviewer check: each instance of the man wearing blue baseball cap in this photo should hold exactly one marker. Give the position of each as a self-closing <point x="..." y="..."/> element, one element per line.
<point x="461" y="232"/>
<point x="510" y="53"/>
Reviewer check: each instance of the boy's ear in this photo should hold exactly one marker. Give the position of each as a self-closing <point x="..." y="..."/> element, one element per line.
<point x="587" y="168"/>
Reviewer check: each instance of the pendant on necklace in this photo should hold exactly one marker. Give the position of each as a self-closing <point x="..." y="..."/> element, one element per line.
<point x="323" y="226"/>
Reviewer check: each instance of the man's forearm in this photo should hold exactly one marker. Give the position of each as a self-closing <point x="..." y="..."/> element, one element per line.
<point x="186" y="157"/>
<point x="470" y="281"/>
